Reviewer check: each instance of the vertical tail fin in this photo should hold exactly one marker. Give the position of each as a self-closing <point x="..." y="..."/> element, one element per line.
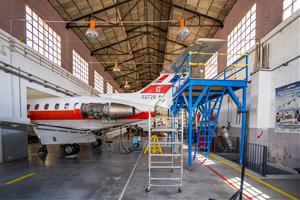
<point x="161" y="85"/>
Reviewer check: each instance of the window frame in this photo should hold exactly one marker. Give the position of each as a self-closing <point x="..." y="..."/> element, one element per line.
<point x="290" y="6"/>
<point x="80" y="67"/>
<point x="98" y="82"/>
<point x="242" y="38"/>
<point x="41" y="37"/>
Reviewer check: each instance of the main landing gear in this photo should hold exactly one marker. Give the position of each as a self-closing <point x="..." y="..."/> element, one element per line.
<point x="71" y="149"/>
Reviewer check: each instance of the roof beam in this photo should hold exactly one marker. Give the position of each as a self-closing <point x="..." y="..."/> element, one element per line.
<point x="131" y="72"/>
<point x="192" y="11"/>
<point x="169" y="40"/>
<point x="97" y="12"/>
<point x="115" y="43"/>
<point x="125" y="61"/>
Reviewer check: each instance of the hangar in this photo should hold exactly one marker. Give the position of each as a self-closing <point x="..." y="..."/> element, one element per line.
<point x="149" y="99"/>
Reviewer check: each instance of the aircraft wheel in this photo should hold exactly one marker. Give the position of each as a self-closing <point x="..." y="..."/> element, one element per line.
<point x="97" y="143"/>
<point x="76" y="148"/>
<point x="69" y="149"/>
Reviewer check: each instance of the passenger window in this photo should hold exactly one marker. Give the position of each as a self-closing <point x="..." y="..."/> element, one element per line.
<point x="36" y="107"/>
<point x="76" y="106"/>
<point x="67" y="105"/>
<point x="28" y="106"/>
<point x="46" y="106"/>
<point x="56" y="106"/>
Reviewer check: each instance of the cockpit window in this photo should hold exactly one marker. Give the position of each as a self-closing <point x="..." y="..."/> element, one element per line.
<point x="36" y="107"/>
<point x="56" y="106"/>
<point x="46" y="106"/>
<point x="67" y="105"/>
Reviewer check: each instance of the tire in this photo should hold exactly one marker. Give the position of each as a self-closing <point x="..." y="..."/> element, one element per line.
<point x="76" y="148"/>
<point x="69" y="149"/>
<point x="148" y="189"/>
<point x="179" y="189"/>
<point x="98" y="143"/>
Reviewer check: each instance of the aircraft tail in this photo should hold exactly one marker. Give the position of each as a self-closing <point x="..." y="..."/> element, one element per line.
<point x="161" y="85"/>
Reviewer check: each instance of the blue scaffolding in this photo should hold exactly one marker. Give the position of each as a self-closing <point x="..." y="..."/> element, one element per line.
<point x="204" y="97"/>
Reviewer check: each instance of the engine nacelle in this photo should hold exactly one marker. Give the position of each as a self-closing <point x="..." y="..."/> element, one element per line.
<point x="107" y="110"/>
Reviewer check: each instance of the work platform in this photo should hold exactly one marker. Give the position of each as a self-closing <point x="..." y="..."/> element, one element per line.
<point x="203" y="97"/>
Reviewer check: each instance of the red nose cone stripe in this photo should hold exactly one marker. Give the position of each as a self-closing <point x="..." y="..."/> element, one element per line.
<point x="162" y="89"/>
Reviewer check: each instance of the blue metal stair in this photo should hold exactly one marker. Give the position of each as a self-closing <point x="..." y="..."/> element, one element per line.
<point x="207" y="126"/>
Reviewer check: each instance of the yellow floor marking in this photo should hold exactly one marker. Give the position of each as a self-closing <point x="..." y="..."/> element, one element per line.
<point x="257" y="179"/>
<point x="19" y="179"/>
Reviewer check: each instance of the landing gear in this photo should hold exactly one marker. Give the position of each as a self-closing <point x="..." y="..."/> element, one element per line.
<point x="71" y="149"/>
<point x="97" y="143"/>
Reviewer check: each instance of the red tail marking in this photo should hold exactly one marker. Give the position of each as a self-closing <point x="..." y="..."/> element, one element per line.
<point x="161" y="79"/>
<point x="157" y="89"/>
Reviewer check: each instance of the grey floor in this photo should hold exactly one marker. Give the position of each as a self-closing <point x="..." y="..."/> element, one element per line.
<point x="103" y="174"/>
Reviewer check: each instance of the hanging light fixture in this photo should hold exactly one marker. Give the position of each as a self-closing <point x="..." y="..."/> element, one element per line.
<point x="91" y="33"/>
<point x="184" y="31"/>
<point x="116" y="67"/>
<point x="126" y="86"/>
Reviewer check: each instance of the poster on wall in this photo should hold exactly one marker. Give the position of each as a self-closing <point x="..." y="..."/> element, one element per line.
<point x="288" y="108"/>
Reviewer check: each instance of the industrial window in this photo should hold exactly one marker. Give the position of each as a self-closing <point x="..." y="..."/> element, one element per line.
<point x="42" y="38"/>
<point x="242" y="38"/>
<point x="289" y="7"/>
<point x="109" y="88"/>
<point x="211" y="68"/>
<point x="36" y="107"/>
<point x="67" y="106"/>
<point x="56" y="106"/>
<point x="80" y="68"/>
<point x="98" y="82"/>
<point x="46" y="106"/>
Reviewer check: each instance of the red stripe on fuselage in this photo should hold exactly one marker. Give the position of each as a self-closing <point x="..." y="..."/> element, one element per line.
<point x="142" y="115"/>
<point x="55" y="115"/>
<point x="72" y="115"/>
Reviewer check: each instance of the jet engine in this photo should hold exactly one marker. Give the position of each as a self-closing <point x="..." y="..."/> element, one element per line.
<point x="107" y="110"/>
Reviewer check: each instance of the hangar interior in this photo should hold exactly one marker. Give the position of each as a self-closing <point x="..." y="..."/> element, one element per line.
<point x="93" y="91"/>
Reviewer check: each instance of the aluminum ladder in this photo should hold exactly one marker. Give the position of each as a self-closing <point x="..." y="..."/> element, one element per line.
<point x="166" y="169"/>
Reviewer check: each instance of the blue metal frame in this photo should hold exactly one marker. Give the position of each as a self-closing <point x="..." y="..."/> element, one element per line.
<point x="208" y="102"/>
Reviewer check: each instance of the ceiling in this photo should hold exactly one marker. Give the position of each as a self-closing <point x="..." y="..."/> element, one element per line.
<point x="141" y="35"/>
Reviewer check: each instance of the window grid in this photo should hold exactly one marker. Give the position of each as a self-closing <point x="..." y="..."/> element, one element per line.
<point x="42" y="38"/>
<point x="242" y="38"/>
<point x="80" y="68"/>
<point x="109" y="88"/>
<point x="289" y="7"/>
<point x="211" y="69"/>
<point x="98" y="82"/>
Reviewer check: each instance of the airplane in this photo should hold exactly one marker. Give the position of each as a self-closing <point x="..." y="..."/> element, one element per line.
<point x="69" y="121"/>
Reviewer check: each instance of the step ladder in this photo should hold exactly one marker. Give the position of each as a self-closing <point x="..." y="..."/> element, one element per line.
<point x="210" y="105"/>
<point x="166" y="169"/>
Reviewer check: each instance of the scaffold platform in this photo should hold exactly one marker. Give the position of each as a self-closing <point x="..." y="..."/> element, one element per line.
<point x="204" y="97"/>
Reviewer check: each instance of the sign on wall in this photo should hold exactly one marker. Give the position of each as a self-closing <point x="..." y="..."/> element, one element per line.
<point x="288" y="108"/>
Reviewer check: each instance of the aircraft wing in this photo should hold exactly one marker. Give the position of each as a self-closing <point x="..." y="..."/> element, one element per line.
<point x="204" y="45"/>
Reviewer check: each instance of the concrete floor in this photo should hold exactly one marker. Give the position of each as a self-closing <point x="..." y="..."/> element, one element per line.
<point x="103" y="174"/>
